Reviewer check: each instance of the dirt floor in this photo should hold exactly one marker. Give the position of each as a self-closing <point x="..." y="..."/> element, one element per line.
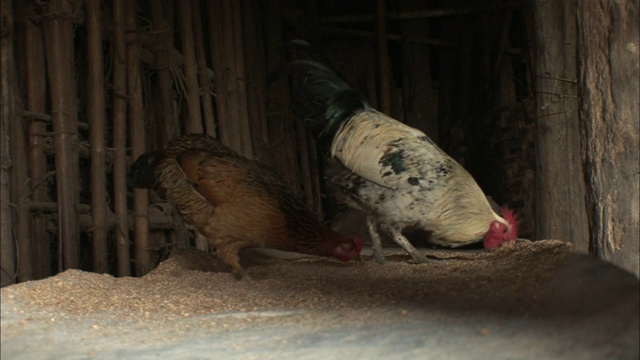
<point x="528" y="300"/>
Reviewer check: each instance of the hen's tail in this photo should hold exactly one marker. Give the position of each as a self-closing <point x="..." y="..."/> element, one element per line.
<point x="322" y="97"/>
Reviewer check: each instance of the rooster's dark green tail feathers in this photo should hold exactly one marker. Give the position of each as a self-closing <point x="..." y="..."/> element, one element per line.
<point x="322" y="97"/>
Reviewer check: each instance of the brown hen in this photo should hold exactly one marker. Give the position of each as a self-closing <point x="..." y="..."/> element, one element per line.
<point x="235" y="202"/>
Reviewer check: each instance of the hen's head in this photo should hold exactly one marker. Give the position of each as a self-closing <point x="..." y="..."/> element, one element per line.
<point x="142" y="172"/>
<point x="500" y="232"/>
<point x="348" y="250"/>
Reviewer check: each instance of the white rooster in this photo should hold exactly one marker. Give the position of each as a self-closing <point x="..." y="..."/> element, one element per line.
<point x="390" y="171"/>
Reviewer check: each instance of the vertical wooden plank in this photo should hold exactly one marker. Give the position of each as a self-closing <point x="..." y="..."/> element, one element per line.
<point x="97" y="122"/>
<point x="419" y="97"/>
<point x="20" y="181"/>
<point x="240" y="80"/>
<point x="120" y="139"/>
<point x="137" y="134"/>
<point x="560" y="187"/>
<point x="383" y="57"/>
<point x="203" y="76"/>
<point x="168" y="124"/>
<point x="280" y="119"/>
<point x="59" y="37"/>
<point x="193" y="123"/>
<point x="8" y="255"/>
<point x="35" y="95"/>
<point x="255" y="78"/>
<point x="608" y="76"/>
<point x="215" y="46"/>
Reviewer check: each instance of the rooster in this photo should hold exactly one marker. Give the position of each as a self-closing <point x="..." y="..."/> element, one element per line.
<point x="390" y="171"/>
<point x="235" y="202"/>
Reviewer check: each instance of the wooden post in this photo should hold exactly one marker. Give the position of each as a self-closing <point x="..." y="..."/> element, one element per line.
<point x="97" y="121"/>
<point x="35" y="94"/>
<point x="8" y="255"/>
<point x="120" y="138"/>
<point x="225" y="34"/>
<point x="419" y="98"/>
<point x="280" y="122"/>
<point x="560" y="187"/>
<point x="609" y="117"/>
<point x="59" y="35"/>
<point x="137" y="135"/>
<point x="19" y="151"/>
<point x="383" y="58"/>
<point x="203" y="76"/>
<point x="193" y="120"/>
<point x="168" y="125"/>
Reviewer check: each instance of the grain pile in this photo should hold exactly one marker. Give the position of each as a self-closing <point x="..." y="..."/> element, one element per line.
<point x="521" y="301"/>
<point x="193" y="283"/>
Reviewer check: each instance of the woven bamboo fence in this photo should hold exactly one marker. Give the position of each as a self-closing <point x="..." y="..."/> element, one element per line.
<point x="90" y="85"/>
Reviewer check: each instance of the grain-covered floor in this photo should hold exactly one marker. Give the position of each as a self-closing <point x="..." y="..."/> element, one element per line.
<point x="535" y="300"/>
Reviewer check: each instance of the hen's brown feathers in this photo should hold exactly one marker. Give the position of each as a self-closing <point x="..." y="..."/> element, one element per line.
<point x="238" y="203"/>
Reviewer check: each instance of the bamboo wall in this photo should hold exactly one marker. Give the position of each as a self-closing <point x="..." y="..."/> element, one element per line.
<point x="90" y="85"/>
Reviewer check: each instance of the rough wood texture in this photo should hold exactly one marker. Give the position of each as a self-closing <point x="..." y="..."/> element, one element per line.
<point x="608" y="78"/>
<point x="34" y="78"/>
<point x="6" y="219"/>
<point x="228" y="63"/>
<point x="138" y="143"/>
<point x="120" y="139"/>
<point x="97" y="123"/>
<point x="383" y="57"/>
<point x="59" y="36"/>
<point x="204" y="78"/>
<point x="192" y="118"/>
<point x="560" y="203"/>
<point x="167" y="121"/>
<point x="419" y="96"/>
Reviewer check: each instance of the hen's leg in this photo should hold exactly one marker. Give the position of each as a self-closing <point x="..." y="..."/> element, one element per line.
<point x="375" y="239"/>
<point x="229" y="254"/>
<point x="406" y="245"/>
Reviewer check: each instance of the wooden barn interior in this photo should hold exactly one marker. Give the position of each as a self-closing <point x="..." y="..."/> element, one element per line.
<point x="537" y="99"/>
<point x="89" y="86"/>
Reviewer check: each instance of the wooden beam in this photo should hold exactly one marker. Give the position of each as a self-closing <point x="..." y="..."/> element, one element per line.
<point x="384" y="75"/>
<point x="97" y="118"/>
<point x="423" y="14"/>
<point x="120" y="139"/>
<point x="138" y="139"/>
<point x="59" y="36"/>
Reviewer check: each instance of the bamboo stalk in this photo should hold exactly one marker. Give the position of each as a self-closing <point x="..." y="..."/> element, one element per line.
<point x="279" y="116"/>
<point x="226" y="72"/>
<point x="215" y="46"/>
<point x="255" y="76"/>
<point x="239" y="81"/>
<point x="59" y="37"/>
<point x="203" y="75"/>
<point x="383" y="57"/>
<point x="137" y="133"/>
<point x="168" y="125"/>
<point x="8" y="254"/>
<point x="35" y="95"/>
<point x="97" y="119"/>
<point x="120" y="139"/>
<point x="193" y="123"/>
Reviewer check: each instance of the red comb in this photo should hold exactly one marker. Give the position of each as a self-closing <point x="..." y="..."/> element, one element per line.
<point x="512" y="219"/>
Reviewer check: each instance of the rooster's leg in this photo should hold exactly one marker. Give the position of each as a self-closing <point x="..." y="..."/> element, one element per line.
<point x="406" y="245"/>
<point x="375" y="239"/>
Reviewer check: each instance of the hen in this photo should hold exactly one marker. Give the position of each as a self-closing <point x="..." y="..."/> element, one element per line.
<point x="235" y="202"/>
<point x="390" y="171"/>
